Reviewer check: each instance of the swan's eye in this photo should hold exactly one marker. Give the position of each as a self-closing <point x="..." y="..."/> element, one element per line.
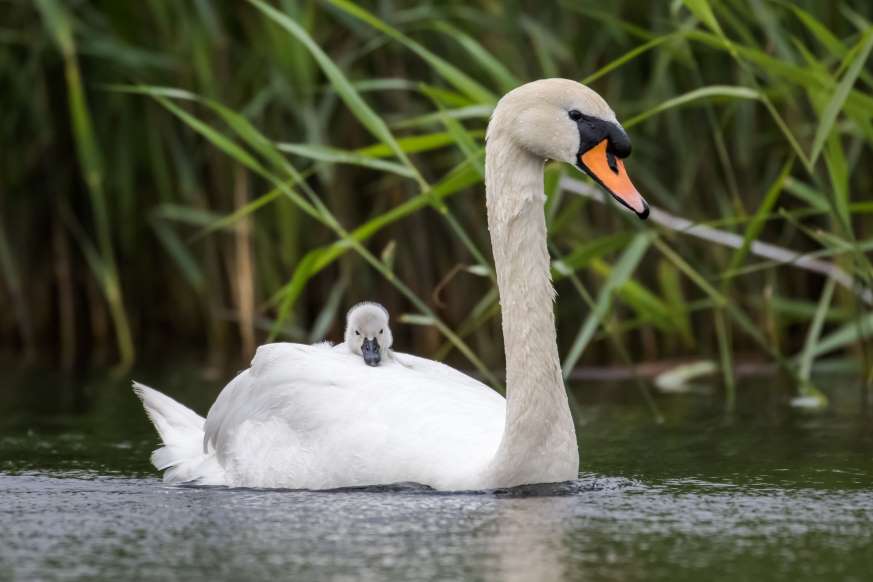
<point x="380" y="331"/>
<point x="575" y="114"/>
<point x="357" y="332"/>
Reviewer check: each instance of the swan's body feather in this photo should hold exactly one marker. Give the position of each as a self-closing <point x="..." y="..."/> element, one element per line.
<point x="315" y="417"/>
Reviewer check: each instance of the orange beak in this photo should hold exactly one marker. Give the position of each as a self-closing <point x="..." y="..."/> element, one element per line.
<point x="609" y="172"/>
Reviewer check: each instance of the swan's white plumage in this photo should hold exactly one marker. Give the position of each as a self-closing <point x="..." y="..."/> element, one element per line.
<point x="181" y="430"/>
<point x="407" y="420"/>
<point x="318" y="417"/>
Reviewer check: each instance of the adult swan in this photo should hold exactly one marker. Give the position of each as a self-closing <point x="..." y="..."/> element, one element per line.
<point x="314" y="418"/>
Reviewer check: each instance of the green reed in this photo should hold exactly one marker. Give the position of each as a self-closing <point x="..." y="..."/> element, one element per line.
<point x="218" y="174"/>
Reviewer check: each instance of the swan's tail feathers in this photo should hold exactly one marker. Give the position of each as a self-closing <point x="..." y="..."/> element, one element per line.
<point x="181" y="430"/>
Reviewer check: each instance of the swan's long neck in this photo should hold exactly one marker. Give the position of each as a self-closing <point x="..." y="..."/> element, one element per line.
<point x="539" y="439"/>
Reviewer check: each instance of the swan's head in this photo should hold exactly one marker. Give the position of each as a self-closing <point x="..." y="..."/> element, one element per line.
<point x="560" y="119"/>
<point x="367" y="332"/>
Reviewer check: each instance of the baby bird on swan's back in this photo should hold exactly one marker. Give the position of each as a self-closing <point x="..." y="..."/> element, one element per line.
<point x="367" y="333"/>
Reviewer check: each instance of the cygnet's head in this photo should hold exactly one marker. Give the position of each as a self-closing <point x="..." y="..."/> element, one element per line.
<point x="367" y="332"/>
<point x="563" y="120"/>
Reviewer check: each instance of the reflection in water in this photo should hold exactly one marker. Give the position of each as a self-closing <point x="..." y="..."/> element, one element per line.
<point x="529" y="544"/>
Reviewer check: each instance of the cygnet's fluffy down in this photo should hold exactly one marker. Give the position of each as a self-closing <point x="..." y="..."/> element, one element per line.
<point x="367" y="333"/>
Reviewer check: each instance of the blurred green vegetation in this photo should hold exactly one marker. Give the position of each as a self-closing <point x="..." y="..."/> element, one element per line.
<point x="204" y="175"/>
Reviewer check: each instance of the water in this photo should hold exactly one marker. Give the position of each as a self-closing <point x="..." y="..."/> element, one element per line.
<point x="770" y="494"/>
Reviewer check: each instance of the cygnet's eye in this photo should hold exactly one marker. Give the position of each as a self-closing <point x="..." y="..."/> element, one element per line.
<point x="575" y="114"/>
<point x="380" y="331"/>
<point x="357" y="332"/>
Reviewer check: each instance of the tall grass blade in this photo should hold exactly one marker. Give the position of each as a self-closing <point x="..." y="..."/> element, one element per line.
<point x="498" y="71"/>
<point x="838" y="99"/>
<point x="341" y="84"/>
<point x="338" y="156"/>
<point x="59" y="23"/>
<point x="828" y="39"/>
<point x="704" y="93"/>
<point x="846" y="335"/>
<point x="460" y="80"/>
<point x="627" y="57"/>
<point x="756" y="225"/>
<point x="623" y="269"/>
<point x="809" y="395"/>
<point x="812" y="337"/>
<point x="725" y="354"/>
<point x="179" y="252"/>
<point x="416" y="144"/>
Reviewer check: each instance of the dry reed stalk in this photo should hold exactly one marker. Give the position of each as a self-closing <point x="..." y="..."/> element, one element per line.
<point x="244" y="276"/>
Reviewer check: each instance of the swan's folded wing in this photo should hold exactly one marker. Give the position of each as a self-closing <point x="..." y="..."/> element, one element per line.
<point x="228" y="399"/>
<point x="438" y="370"/>
<point x="240" y="397"/>
<point x="283" y="377"/>
<point x="312" y="417"/>
<point x="290" y="364"/>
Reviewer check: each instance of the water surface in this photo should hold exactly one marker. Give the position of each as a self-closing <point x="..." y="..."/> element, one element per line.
<point x="769" y="493"/>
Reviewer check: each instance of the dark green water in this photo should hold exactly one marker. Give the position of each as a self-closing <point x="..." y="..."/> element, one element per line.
<point x="770" y="494"/>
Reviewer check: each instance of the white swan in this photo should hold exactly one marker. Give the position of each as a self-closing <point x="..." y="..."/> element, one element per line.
<point x="307" y="417"/>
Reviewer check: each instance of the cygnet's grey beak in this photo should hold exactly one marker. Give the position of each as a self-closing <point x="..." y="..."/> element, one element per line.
<point x="371" y="352"/>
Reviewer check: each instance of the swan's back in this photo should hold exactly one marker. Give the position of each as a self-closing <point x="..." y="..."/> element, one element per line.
<point x="312" y="417"/>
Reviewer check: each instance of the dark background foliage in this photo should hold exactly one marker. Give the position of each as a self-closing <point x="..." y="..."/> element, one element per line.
<point x="132" y="223"/>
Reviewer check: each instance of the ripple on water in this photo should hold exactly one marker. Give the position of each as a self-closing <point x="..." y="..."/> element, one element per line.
<point x="604" y="527"/>
<point x="770" y="495"/>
